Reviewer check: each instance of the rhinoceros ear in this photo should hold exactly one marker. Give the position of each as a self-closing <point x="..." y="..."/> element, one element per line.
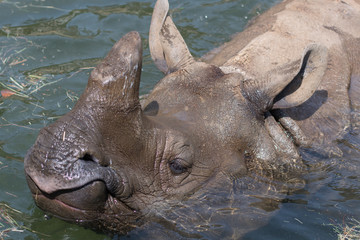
<point x="167" y="47"/>
<point x="115" y="81"/>
<point x="307" y="80"/>
<point x="291" y="85"/>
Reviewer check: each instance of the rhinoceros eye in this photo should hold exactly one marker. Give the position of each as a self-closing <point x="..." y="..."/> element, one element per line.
<point x="177" y="167"/>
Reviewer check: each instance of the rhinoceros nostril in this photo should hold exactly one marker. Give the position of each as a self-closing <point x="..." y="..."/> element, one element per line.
<point x="88" y="157"/>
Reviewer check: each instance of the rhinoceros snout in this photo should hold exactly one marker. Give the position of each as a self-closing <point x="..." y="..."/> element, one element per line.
<point x="88" y="197"/>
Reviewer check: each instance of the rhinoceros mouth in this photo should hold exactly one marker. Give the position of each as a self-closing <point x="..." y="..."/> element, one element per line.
<point x="83" y="205"/>
<point x="119" y="221"/>
<point x="88" y="198"/>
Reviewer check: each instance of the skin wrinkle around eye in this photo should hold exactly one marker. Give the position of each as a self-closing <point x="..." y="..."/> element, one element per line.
<point x="168" y="152"/>
<point x="159" y="156"/>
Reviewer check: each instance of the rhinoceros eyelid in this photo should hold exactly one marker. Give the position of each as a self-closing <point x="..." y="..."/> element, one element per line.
<point x="178" y="166"/>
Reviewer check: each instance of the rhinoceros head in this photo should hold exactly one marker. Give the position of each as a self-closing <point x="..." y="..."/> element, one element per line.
<point x="107" y="161"/>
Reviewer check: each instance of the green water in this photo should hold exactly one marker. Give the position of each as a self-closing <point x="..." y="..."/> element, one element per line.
<point x="47" y="49"/>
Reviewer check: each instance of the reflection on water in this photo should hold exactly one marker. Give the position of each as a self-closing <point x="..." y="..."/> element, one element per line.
<point x="69" y="26"/>
<point x="63" y="68"/>
<point x="47" y="49"/>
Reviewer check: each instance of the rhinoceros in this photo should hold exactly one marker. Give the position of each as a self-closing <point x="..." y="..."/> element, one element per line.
<point x="289" y="81"/>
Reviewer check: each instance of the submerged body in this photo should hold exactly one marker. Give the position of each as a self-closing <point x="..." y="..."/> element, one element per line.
<point x="290" y="80"/>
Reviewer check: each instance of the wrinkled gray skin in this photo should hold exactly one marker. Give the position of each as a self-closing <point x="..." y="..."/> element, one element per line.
<point x="291" y="79"/>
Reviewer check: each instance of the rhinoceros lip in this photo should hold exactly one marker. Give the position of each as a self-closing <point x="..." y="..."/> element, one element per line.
<point x="93" y="219"/>
<point x="59" y="208"/>
<point x="63" y="209"/>
<point x="55" y="206"/>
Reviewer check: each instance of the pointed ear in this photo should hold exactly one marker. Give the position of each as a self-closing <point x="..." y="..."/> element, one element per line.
<point x="289" y="86"/>
<point x="167" y="47"/>
<point x="155" y="44"/>
<point x="307" y="80"/>
<point x="116" y="80"/>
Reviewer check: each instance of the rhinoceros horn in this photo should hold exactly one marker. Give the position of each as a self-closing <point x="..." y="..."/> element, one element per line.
<point x="167" y="47"/>
<point x="115" y="81"/>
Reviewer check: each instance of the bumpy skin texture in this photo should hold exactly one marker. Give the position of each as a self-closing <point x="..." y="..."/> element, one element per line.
<point x="290" y="27"/>
<point x="109" y="161"/>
